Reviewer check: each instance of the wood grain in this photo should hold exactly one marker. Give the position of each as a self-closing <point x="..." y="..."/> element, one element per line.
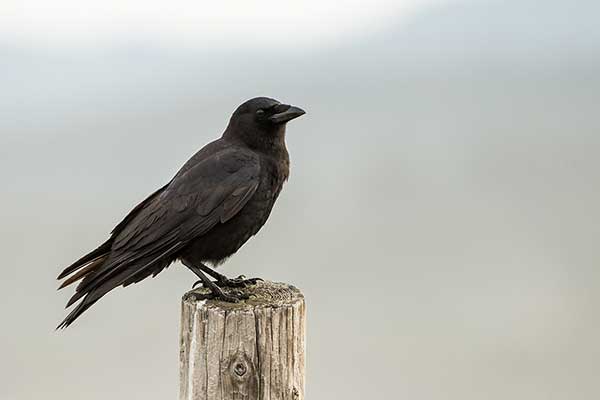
<point x="251" y="350"/>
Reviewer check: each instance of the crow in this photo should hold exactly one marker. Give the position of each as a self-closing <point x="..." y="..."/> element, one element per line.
<point x="219" y="199"/>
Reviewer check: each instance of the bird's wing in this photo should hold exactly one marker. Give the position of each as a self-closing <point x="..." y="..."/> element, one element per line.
<point x="212" y="191"/>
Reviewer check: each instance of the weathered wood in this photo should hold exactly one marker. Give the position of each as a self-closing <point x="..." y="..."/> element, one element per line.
<point x="251" y="350"/>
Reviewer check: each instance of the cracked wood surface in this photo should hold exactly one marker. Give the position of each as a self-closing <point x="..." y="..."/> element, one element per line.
<point x="251" y="350"/>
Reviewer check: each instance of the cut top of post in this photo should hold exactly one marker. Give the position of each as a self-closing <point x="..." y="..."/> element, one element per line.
<point x="263" y="293"/>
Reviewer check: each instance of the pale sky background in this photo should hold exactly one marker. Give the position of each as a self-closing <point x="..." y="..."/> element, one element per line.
<point x="184" y="22"/>
<point x="442" y="215"/>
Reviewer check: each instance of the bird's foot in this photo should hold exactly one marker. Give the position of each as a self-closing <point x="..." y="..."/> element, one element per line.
<point x="216" y="293"/>
<point x="231" y="297"/>
<point x="239" y="282"/>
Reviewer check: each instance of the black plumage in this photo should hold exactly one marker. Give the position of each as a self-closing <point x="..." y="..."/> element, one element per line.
<point x="220" y="198"/>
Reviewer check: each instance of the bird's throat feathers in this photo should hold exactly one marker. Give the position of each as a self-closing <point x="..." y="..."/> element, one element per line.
<point x="265" y="139"/>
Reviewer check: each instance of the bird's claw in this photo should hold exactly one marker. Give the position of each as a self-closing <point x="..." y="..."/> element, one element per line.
<point x="230" y="297"/>
<point x="240" y="282"/>
<point x="199" y="282"/>
<point x="218" y="294"/>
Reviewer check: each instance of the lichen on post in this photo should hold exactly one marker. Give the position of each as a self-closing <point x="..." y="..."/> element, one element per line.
<point x="251" y="350"/>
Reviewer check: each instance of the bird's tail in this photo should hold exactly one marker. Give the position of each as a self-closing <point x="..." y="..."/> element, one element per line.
<point x="101" y="271"/>
<point x="86" y="266"/>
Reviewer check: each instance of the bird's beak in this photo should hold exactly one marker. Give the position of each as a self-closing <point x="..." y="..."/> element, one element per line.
<point x="286" y="113"/>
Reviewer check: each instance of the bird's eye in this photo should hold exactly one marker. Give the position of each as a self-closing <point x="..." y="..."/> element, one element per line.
<point x="260" y="113"/>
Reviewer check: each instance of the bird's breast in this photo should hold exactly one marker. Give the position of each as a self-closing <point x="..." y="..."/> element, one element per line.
<point x="225" y="239"/>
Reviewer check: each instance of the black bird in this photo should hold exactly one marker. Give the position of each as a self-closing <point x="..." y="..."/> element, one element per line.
<point x="219" y="199"/>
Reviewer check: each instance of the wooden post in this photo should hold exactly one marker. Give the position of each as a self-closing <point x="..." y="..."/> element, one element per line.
<point x="251" y="350"/>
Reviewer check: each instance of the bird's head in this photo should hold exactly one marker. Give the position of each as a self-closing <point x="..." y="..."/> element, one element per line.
<point x="261" y="121"/>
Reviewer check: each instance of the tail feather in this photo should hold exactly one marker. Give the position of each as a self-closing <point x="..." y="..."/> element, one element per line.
<point x="77" y="311"/>
<point x="89" y="269"/>
<point x="102" y="250"/>
<point x="107" y="273"/>
<point x="89" y="298"/>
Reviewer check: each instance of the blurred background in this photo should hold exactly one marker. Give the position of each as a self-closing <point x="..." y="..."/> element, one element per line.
<point x="442" y="213"/>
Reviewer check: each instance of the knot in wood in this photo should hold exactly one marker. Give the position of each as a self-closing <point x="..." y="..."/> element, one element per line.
<point x="240" y="369"/>
<point x="239" y="365"/>
<point x="240" y="375"/>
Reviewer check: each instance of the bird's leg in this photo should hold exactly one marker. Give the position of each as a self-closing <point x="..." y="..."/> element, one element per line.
<point x="219" y="277"/>
<point x="216" y="290"/>
<point x="223" y="281"/>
